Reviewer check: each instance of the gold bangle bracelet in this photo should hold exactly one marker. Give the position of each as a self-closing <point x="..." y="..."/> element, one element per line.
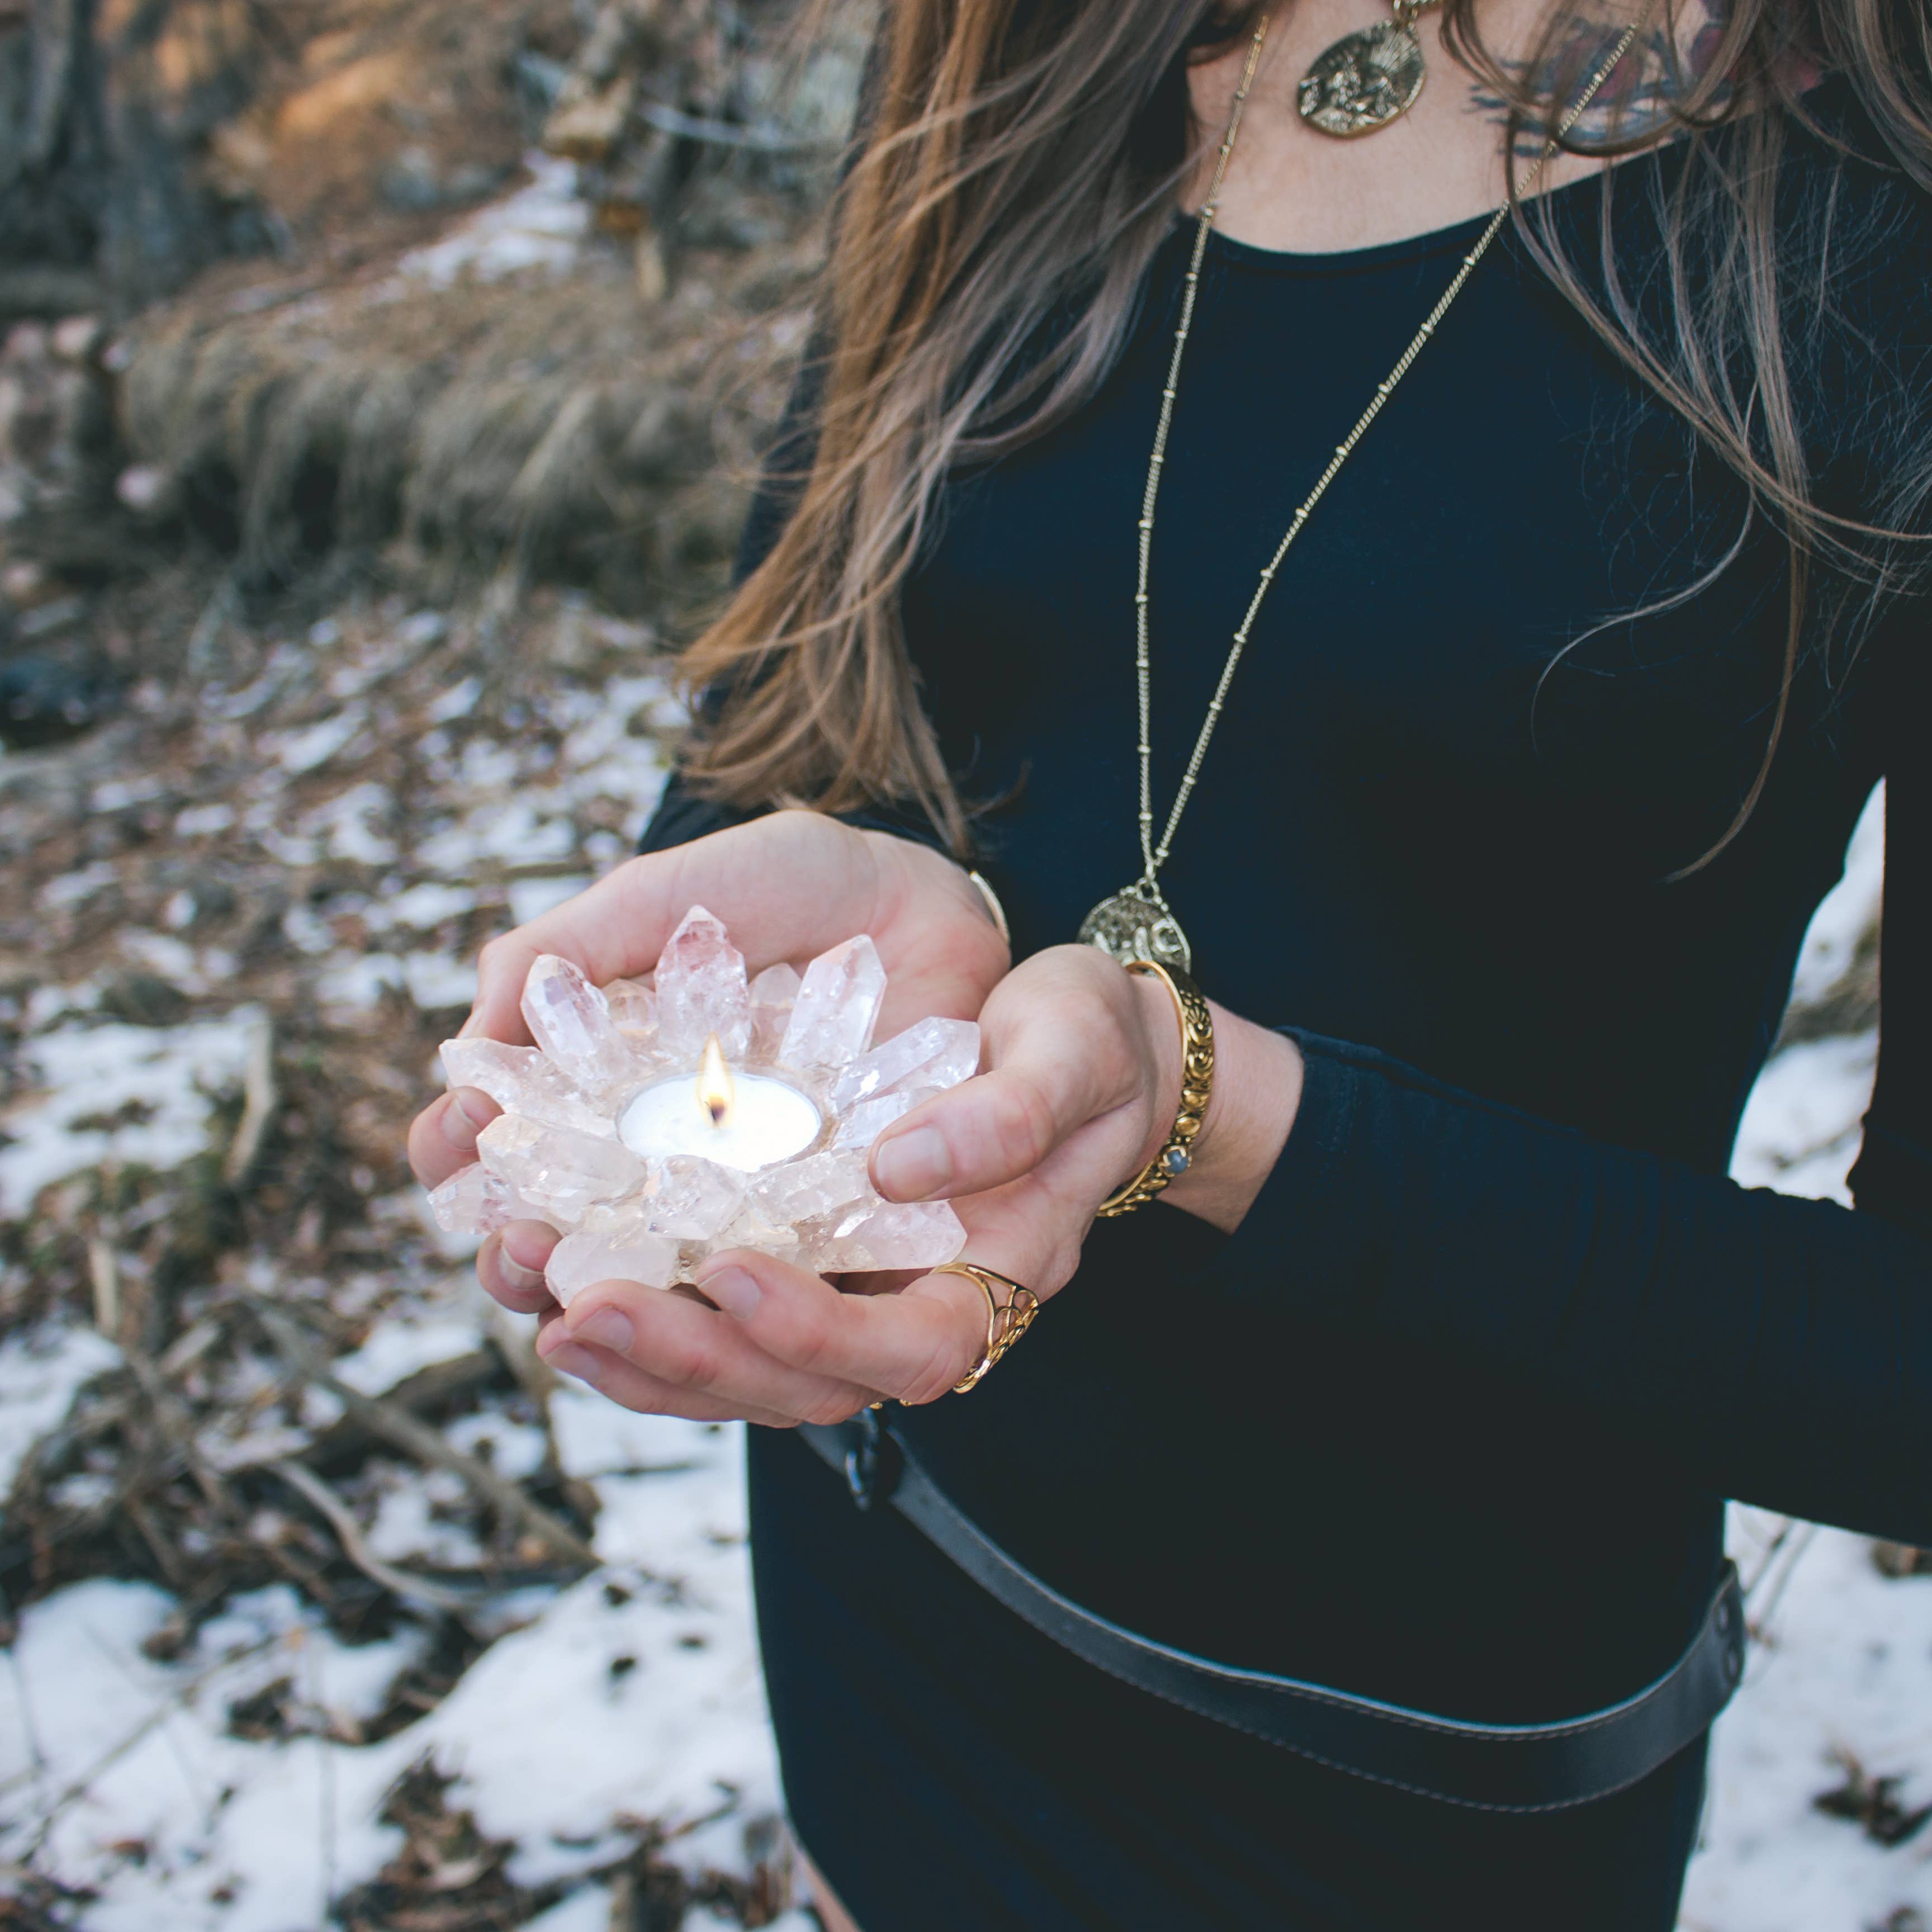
<point x="1197" y="1088"/>
<point x="993" y="905"/>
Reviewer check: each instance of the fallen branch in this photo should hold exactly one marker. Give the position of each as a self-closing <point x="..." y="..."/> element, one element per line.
<point x="411" y="1588"/>
<point x="348" y="1439"/>
<point x="402" y="1431"/>
<point x="258" y="1102"/>
<point x="103" y="1274"/>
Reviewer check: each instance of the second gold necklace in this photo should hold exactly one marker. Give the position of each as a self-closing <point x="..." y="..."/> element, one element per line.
<point x="1137" y="922"/>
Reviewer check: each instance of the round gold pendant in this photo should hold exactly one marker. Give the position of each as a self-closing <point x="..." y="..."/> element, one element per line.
<point x="1135" y="925"/>
<point x="1364" y="81"/>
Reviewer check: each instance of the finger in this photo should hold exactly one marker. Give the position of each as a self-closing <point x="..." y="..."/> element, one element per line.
<point x="510" y="1265"/>
<point x="1063" y="1043"/>
<point x="443" y="1137"/>
<point x="790" y="884"/>
<point x="635" y="1388"/>
<point x="914" y="1344"/>
<point x="690" y="1345"/>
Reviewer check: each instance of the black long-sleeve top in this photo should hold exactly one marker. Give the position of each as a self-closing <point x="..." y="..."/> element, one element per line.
<point x="1449" y="1419"/>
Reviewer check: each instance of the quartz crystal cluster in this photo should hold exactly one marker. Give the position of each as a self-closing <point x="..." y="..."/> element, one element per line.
<point x="633" y="1213"/>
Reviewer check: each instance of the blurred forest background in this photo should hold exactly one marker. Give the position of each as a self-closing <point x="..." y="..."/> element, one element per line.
<point x="380" y="380"/>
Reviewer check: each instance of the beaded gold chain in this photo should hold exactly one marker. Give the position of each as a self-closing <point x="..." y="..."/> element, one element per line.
<point x="1138" y="923"/>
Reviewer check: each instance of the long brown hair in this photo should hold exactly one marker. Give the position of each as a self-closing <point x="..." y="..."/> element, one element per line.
<point x="1020" y="164"/>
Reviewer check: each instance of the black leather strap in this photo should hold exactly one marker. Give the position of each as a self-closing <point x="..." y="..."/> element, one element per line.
<point x="1488" y="1767"/>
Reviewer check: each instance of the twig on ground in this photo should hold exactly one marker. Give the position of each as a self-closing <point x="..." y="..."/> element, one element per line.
<point x="258" y="1103"/>
<point x="103" y="1275"/>
<point x="411" y="1588"/>
<point x="403" y="1430"/>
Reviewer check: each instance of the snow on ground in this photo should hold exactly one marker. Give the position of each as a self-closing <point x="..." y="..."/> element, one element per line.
<point x="537" y="230"/>
<point x="633" y="1694"/>
<point x="121" y="1093"/>
<point x="39" y="1375"/>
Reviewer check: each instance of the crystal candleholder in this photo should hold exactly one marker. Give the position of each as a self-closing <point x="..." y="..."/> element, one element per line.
<point x="656" y="1121"/>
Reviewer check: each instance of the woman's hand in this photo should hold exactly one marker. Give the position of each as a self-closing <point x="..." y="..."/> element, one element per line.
<point x="1081" y="1086"/>
<point x="788" y="885"/>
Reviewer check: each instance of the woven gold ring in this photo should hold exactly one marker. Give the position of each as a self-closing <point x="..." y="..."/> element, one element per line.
<point x="1006" y="1321"/>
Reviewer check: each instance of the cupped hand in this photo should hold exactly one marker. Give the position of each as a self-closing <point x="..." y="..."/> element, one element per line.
<point x="788" y="886"/>
<point x="1081" y="1084"/>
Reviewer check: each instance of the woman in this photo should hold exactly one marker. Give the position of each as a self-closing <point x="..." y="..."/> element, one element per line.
<point x="1426" y="1378"/>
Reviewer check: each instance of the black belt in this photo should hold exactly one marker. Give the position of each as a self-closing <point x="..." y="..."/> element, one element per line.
<point x="1490" y="1767"/>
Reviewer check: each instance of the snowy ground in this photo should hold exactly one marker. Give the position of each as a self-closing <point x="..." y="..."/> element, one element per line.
<point x="266" y="1666"/>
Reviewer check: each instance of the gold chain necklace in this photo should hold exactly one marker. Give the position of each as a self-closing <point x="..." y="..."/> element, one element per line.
<point x="1137" y="922"/>
<point x="1368" y="78"/>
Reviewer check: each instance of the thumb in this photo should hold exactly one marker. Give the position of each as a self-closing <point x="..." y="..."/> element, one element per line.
<point x="1066" y="1043"/>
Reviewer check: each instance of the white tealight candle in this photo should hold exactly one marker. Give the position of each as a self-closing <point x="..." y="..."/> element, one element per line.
<point x="766" y="1120"/>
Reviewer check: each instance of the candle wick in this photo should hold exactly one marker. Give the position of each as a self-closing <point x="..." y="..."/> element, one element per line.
<point x="715" y="1084"/>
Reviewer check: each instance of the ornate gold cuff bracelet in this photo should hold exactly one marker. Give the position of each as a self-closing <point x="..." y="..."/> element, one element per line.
<point x="1197" y="1088"/>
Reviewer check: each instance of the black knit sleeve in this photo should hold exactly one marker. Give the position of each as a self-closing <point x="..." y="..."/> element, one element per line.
<point x="1777" y="1350"/>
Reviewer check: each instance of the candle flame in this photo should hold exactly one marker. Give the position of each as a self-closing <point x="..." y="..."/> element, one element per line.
<point x="714" y="1084"/>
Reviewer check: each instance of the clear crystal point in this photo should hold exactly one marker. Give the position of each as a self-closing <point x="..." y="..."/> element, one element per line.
<point x="819" y="1184"/>
<point x="837" y="1006"/>
<point x="691" y="1198"/>
<point x="581" y="1260"/>
<point x="634" y="1010"/>
<point x="570" y="1019"/>
<point x="562" y="1171"/>
<point x="859" y="1126"/>
<point x="935" y="1053"/>
<point x="473" y="1201"/>
<point x="749" y="1228"/>
<point x="524" y="1080"/>
<point x="701" y="990"/>
<point x="889" y="1237"/>
<point x="774" y="992"/>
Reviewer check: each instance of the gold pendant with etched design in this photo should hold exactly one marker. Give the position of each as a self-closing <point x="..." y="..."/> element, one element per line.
<point x="1365" y="80"/>
<point x="1138" y="924"/>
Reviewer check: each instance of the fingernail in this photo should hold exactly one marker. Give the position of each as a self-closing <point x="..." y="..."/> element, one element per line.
<point x="569" y="1360"/>
<point x="514" y="1274"/>
<point x="913" y="1164"/>
<point x="475" y="1106"/>
<point x="734" y="1290"/>
<point x="458" y="1129"/>
<point x="517" y="1248"/>
<point x="609" y="1328"/>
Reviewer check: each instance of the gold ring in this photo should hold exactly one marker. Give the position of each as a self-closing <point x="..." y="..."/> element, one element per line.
<point x="1006" y="1321"/>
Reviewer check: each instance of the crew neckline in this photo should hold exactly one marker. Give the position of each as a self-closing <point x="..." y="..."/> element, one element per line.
<point x="1406" y="248"/>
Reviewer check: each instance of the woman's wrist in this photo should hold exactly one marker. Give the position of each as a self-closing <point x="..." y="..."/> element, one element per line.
<point x="1257" y="1091"/>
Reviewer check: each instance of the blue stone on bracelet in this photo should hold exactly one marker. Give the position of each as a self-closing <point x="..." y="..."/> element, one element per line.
<point x="1175" y="1160"/>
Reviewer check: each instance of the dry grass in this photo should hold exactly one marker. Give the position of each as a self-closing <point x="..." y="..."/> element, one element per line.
<point x="567" y="431"/>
